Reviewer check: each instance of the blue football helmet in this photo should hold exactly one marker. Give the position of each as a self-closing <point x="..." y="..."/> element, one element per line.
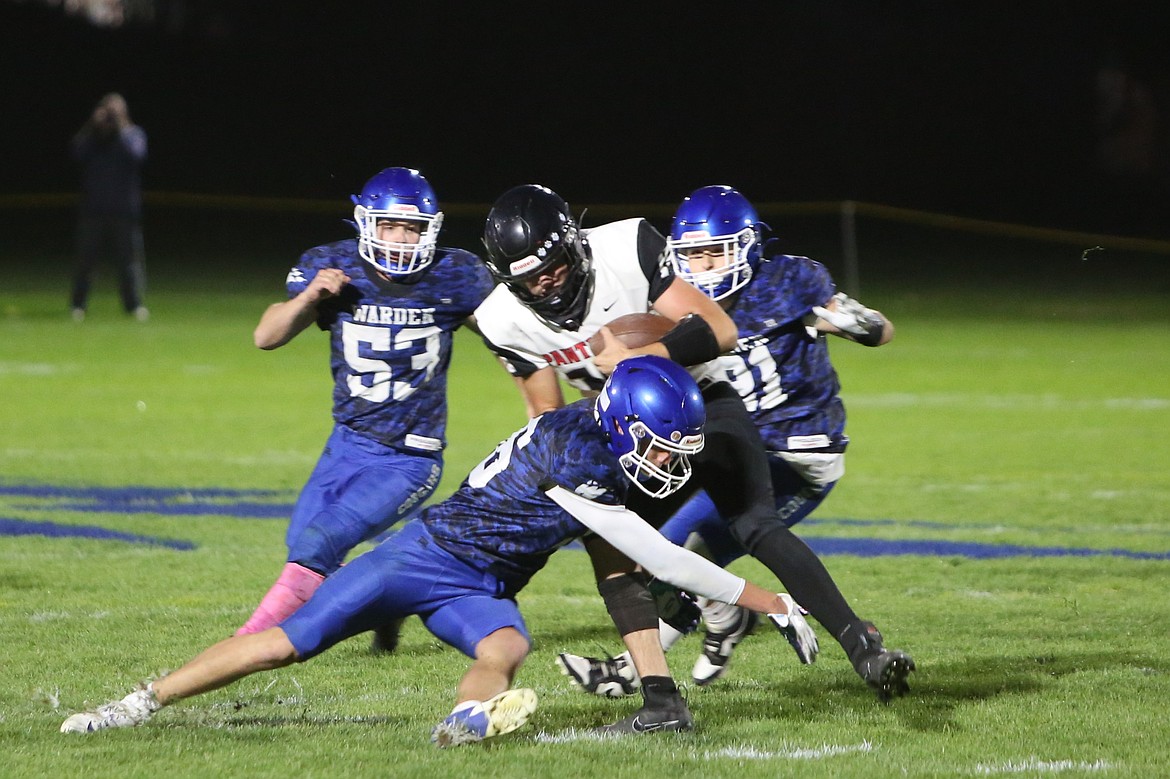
<point x="397" y="194"/>
<point x="652" y="403"/>
<point x="721" y="221"/>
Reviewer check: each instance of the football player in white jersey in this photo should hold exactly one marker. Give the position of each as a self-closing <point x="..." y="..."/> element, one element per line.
<point x="559" y="285"/>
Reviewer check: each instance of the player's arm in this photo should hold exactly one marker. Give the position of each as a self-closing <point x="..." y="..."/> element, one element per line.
<point x="681" y="300"/>
<point x="541" y="391"/>
<point x="631" y="536"/>
<point x="704" y="330"/>
<point x="281" y="322"/>
<point x="537" y="381"/>
<point x="847" y="318"/>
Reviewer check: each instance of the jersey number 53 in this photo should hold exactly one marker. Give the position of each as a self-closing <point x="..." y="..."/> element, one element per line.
<point x="383" y="384"/>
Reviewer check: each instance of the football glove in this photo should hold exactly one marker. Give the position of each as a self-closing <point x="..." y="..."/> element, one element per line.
<point x="794" y="627"/>
<point x="853" y="318"/>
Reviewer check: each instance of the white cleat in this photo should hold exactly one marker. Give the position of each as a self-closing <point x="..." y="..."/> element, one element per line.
<point x="718" y="646"/>
<point x="613" y="677"/>
<point x="134" y="709"/>
<point x="473" y="721"/>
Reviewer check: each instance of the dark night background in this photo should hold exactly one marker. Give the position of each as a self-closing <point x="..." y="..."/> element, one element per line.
<point x="988" y="110"/>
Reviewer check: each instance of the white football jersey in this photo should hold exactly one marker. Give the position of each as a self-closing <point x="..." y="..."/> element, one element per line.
<point x="624" y="283"/>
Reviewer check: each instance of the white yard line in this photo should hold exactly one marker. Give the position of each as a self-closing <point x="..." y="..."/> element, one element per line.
<point x="1035" y="765"/>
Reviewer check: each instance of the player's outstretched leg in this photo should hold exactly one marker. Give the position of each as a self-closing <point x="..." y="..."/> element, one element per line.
<point x="134" y="709"/>
<point x="884" y="670"/>
<point x="473" y="721"/>
<point x="293" y="588"/>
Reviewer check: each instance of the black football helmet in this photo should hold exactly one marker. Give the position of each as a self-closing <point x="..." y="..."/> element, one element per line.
<point x="529" y="231"/>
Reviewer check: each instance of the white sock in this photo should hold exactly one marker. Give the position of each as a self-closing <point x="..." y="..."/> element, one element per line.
<point x="667" y="635"/>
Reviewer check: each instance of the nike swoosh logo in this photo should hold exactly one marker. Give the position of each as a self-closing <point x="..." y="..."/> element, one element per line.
<point x="611" y="305"/>
<point x="641" y="727"/>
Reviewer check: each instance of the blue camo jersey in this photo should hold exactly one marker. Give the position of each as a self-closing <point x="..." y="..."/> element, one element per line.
<point x="783" y="375"/>
<point x="391" y="341"/>
<point x="500" y="520"/>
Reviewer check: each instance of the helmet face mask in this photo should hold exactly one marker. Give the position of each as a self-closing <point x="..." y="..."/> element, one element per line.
<point x="651" y="405"/>
<point x="397" y="195"/>
<point x="529" y="233"/>
<point x="720" y="219"/>
<point x="656" y="480"/>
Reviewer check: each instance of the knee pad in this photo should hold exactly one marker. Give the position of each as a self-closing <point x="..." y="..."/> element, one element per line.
<point x="629" y="603"/>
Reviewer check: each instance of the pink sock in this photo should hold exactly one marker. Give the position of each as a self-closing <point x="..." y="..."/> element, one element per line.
<point x="295" y="585"/>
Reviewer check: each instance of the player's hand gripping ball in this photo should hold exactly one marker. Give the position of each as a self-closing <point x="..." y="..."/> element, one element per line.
<point x="633" y="330"/>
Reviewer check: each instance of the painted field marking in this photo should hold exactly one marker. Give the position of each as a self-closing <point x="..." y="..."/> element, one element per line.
<point x="168" y="501"/>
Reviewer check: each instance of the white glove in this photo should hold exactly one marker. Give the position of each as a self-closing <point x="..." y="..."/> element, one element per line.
<point x="850" y="316"/>
<point x="796" y="629"/>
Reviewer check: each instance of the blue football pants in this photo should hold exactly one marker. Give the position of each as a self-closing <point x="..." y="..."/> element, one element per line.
<point x="406" y="574"/>
<point x="358" y="489"/>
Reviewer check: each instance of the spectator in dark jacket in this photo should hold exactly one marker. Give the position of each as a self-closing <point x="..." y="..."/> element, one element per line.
<point x="111" y="150"/>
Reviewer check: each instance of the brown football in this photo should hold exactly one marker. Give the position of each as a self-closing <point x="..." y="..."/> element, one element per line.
<point x="634" y="330"/>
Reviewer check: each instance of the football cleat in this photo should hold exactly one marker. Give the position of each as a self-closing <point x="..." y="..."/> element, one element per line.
<point x="134" y="709"/>
<point x="886" y="672"/>
<point x="613" y="677"/>
<point x="673" y="717"/>
<point x="473" y="721"/>
<point x="794" y="627"/>
<point x="717" y="647"/>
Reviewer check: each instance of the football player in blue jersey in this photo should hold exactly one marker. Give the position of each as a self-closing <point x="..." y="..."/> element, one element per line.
<point x="559" y="285"/>
<point x="782" y="305"/>
<point x="460" y="564"/>
<point x="391" y="300"/>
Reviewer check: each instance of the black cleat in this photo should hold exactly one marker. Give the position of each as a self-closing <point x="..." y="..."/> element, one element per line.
<point x="674" y="717"/>
<point x="884" y="670"/>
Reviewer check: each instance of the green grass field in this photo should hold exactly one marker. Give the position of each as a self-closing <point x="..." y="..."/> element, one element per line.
<point x="1018" y="427"/>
